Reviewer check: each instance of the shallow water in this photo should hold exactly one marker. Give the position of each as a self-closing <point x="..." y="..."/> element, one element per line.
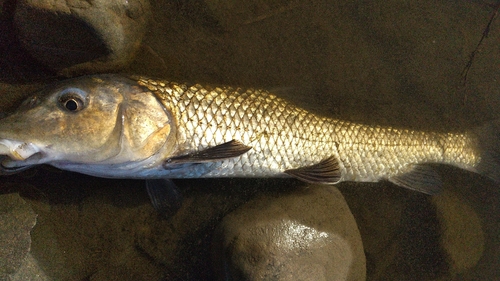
<point x="378" y="62"/>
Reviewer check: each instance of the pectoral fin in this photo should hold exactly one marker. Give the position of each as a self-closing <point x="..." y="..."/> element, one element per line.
<point x="164" y="196"/>
<point x="219" y="152"/>
<point x="325" y="172"/>
<point x="420" y="178"/>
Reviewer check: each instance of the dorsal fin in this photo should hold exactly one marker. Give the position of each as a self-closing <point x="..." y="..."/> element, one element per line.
<point x="325" y="172"/>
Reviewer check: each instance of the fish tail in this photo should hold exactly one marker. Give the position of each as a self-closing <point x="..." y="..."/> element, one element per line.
<point x="488" y="140"/>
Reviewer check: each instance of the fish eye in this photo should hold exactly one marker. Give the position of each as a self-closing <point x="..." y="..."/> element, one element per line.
<point x="72" y="100"/>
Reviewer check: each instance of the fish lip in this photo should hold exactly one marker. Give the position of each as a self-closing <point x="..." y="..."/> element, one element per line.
<point x="5" y="170"/>
<point x="18" y="150"/>
<point x="17" y="156"/>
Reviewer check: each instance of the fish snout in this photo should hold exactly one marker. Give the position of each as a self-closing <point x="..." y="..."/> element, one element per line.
<point x="17" y="150"/>
<point x="9" y="166"/>
<point x="17" y="156"/>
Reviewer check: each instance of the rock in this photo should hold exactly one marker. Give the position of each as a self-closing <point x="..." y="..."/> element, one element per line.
<point x="16" y="221"/>
<point x="30" y="270"/>
<point x="80" y="36"/>
<point x="305" y="235"/>
<point x="462" y="236"/>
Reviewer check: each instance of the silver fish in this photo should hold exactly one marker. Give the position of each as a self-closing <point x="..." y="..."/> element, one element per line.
<point x="134" y="127"/>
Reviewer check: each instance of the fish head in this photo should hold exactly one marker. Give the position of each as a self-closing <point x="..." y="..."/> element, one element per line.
<point x="103" y="120"/>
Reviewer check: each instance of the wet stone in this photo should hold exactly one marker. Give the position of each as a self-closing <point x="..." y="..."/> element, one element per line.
<point x="80" y="37"/>
<point x="462" y="236"/>
<point x="30" y="270"/>
<point x="306" y="235"/>
<point x="16" y="221"/>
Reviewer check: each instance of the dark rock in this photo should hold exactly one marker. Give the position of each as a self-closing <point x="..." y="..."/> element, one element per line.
<point x="16" y="221"/>
<point x="78" y="37"/>
<point x="307" y="235"/>
<point x="462" y="236"/>
<point x="30" y="270"/>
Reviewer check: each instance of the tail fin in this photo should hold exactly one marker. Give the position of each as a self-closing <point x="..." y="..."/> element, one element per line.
<point x="488" y="137"/>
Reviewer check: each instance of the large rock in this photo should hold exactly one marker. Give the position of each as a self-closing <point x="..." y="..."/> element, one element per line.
<point x="16" y="221"/>
<point x="462" y="236"/>
<point x="305" y="235"/>
<point x="82" y="36"/>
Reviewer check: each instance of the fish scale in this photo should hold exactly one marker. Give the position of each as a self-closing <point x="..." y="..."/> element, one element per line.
<point x="285" y="137"/>
<point x="119" y="126"/>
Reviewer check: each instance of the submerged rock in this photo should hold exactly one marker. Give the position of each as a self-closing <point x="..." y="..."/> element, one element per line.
<point x="306" y="235"/>
<point x="30" y="270"/>
<point x="77" y="37"/>
<point x="16" y="221"/>
<point x="462" y="236"/>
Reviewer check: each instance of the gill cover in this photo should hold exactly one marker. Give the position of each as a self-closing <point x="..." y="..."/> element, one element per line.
<point x="143" y="126"/>
<point x="146" y="126"/>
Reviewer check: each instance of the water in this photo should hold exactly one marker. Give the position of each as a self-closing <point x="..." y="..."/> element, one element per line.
<point x="377" y="62"/>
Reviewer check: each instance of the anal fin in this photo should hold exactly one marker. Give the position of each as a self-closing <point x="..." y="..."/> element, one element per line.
<point x="325" y="172"/>
<point x="420" y="178"/>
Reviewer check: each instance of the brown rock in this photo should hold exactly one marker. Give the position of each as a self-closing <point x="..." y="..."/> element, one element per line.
<point x="306" y="235"/>
<point x="82" y="36"/>
<point x="30" y="270"/>
<point x="462" y="236"/>
<point x="16" y="221"/>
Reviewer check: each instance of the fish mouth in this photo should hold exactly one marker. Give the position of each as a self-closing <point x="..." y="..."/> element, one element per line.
<point x="16" y="156"/>
<point x="9" y="166"/>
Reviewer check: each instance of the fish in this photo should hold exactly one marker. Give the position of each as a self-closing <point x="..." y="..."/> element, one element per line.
<point x="128" y="126"/>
